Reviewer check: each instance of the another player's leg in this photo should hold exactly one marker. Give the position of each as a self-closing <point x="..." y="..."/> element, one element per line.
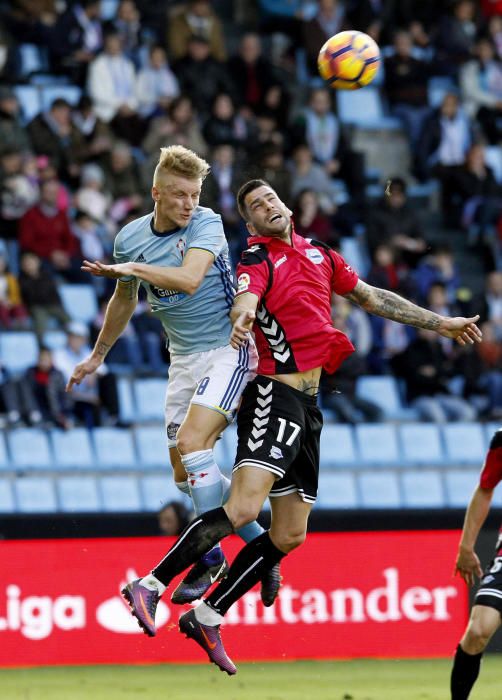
<point x="483" y="624"/>
<point x="288" y="530"/>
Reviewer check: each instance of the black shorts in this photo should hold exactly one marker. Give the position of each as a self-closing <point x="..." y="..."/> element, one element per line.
<point x="489" y="592"/>
<point x="279" y="429"/>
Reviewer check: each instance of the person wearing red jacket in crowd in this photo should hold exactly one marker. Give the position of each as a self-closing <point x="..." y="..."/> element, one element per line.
<point x="487" y="610"/>
<point x="285" y="285"/>
<point x="45" y="230"/>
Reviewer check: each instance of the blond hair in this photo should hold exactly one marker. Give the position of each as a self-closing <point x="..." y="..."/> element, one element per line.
<point x="180" y="161"/>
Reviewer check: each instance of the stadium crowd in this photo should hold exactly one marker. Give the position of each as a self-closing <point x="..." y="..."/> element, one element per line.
<point x="237" y="83"/>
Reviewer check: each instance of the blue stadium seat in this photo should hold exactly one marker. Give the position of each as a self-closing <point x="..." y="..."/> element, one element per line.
<point x="127" y="410"/>
<point x="78" y="494"/>
<point x="465" y="443"/>
<point x="35" y="494"/>
<point x="379" y="490"/>
<point x="337" y="490"/>
<point x="437" y="87"/>
<point x="4" y="457"/>
<point x="378" y="443"/>
<point x="490" y="430"/>
<point x="29" y="100"/>
<point x="114" y="447"/>
<point x="338" y="446"/>
<point x="55" y="340"/>
<point x="7" y="503"/>
<point x="422" y="489"/>
<point x="29" y="448"/>
<point x="159" y="489"/>
<point x="18" y="350"/>
<point x="70" y="93"/>
<point x="421" y="443"/>
<point x="150" y="399"/>
<point x="151" y="444"/>
<point x="79" y="301"/>
<point x="32" y="59"/>
<point x="354" y="253"/>
<point x="381" y="390"/>
<point x="460" y="484"/>
<point x="72" y="449"/>
<point x="120" y="494"/>
<point x="364" y="108"/>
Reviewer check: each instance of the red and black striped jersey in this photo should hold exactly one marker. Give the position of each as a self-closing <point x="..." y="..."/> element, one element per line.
<point x="294" y="284"/>
<point x="491" y="473"/>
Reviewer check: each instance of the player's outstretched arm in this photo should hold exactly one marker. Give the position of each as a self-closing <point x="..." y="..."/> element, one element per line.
<point x="242" y="316"/>
<point x="389" y="305"/>
<point x="467" y="563"/>
<point x="118" y="314"/>
<point x="185" y="278"/>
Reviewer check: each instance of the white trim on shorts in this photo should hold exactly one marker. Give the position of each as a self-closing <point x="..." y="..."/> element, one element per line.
<point x="274" y="469"/>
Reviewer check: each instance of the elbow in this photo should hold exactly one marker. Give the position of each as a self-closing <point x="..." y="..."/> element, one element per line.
<point x="191" y="285"/>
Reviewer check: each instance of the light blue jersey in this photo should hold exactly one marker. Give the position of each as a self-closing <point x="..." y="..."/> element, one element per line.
<point x="197" y="322"/>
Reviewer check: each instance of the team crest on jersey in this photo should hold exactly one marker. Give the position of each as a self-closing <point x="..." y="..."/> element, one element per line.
<point x="243" y="282"/>
<point x="180" y="245"/>
<point x="315" y="256"/>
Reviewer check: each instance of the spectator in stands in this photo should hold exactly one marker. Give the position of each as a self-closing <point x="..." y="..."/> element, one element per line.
<point x="481" y="83"/>
<point x="329" y="19"/>
<point x="310" y="221"/>
<point x="75" y="39"/>
<point x="320" y="129"/>
<point x="53" y="134"/>
<point x="495" y="33"/>
<point x="45" y="230"/>
<point x="275" y="103"/>
<point x="385" y="272"/>
<point x="127" y="24"/>
<point x="338" y="393"/>
<point x="406" y="86"/>
<point x="113" y="89"/>
<point x="282" y="17"/>
<point x="179" y="125"/>
<point x="17" y="405"/>
<point x="95" y="133"/>
<point x="91" y="197"/>
<point x="12" y="131"/>
<point x="426" y="370"/>
<point x="454" y="36"/>
<point x="307" y="175"/>
<point x="17" y="192"/>
<point x="40" y="295"/>
<point x="393" y="221"/>
<point x="491" y="303"/>
<point x="446" y="137"/>
<point x="95" y="391"/>
<point x="224" y="126"/>
<point x="221" y="185"/>
<point x="173" y="518"/>
<point x="201" y="76"/>
<point x="251" y="72"/>
<point x="157" y="85"/>
<point x="91" y="236"/>
<point x="438" y="268"/>
<point x="479" y="198"/>
<point x="271" y="166"/>
<point x="196" y="19"/>
<point x="123" y="181"/>
<point x="46" y="385"/>
<point x="12" y="312"/>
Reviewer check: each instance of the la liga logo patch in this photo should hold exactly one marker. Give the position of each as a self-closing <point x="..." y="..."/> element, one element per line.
<point x="243" y="282"/>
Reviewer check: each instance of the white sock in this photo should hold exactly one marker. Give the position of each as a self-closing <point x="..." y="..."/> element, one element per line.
<point x="153" y="584"/>
<point x="207" y="616"/>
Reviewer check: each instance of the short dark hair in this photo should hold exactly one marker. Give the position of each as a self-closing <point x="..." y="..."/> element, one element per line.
<point x="243" y="192"/>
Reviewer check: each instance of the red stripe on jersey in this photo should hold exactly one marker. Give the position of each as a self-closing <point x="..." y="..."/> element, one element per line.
<point x="491" y="474"/>
<point x="294" y="284"/>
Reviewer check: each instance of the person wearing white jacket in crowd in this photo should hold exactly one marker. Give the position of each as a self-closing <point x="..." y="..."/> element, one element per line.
<point x="157" y="85"/>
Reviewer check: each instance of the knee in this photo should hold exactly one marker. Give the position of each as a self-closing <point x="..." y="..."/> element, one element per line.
<point x="241" y="513"/>
<point x="188" y="441"/>
<point x="287" y="541"/>
<point x="476" y="638"/>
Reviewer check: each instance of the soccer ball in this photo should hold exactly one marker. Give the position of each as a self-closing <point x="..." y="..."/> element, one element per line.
<point x="349" y="60"/>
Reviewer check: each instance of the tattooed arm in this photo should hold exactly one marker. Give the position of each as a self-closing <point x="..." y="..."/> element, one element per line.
<point x="118" y="314"/>
<point x="381" y="302"/>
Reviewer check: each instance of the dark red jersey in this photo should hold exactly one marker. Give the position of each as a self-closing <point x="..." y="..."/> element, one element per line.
<point x="491" y="473"/>
<point x="294" y="283"/>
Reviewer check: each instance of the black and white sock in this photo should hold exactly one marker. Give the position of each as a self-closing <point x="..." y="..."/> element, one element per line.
<point x="196" y="539"/>
<point x="257" y="556"/>
<point x="464" y="673"/>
